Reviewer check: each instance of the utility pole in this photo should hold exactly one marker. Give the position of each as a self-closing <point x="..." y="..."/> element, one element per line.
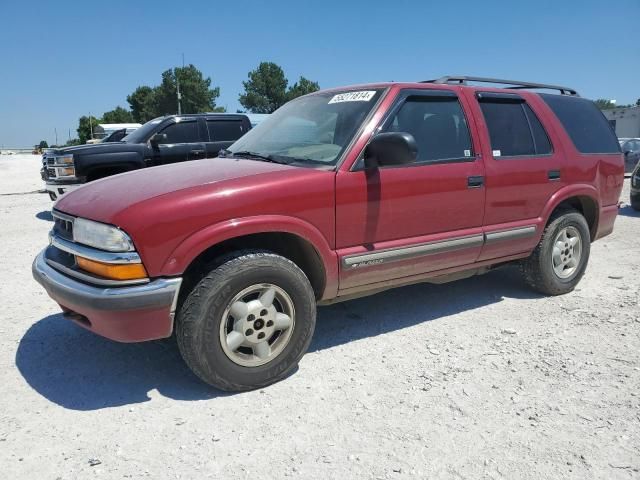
<point x="178" y="87"/>
<point x="56" y="130"/>
<point x="90" y="126"/>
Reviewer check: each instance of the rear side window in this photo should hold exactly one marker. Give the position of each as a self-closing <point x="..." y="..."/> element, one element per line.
<point x="438" y="126"/>
<point x="182" y="132"/>
<point x="513" y="127"/>
<point x="225" y="130"/>
<point x="584" y="123"/>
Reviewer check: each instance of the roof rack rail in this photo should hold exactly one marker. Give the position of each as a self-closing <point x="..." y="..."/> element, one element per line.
<point x="514" y="84"/>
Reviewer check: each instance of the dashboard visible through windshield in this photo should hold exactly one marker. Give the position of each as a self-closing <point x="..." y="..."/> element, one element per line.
<point x="312" y="129"/>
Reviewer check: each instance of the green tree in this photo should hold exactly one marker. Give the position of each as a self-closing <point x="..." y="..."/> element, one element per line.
<point x="117" y="115"/>
<point x="85" y="126"/>
<point x="43" y="144"/>
<point x="604" y="104"/>
<point x="197" y="96"/>
<point x="638" y="102"/>
<point x="265" y="90"/>
<point x="143" y="104"/>
<point x="302" y="87"/>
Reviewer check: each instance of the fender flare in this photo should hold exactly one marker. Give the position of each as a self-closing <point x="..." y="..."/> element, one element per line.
<point x="575" y="190"/>
<point x="190" y="248"/>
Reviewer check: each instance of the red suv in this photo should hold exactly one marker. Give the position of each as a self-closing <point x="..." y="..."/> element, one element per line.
<point x="338" y="194"/>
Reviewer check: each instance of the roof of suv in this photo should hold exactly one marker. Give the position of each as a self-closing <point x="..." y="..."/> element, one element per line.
<point x="464" y="81"/>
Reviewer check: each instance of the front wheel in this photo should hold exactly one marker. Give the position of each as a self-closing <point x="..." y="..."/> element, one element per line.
<point x="248" y="322"/>
<point x="560" y="259"/>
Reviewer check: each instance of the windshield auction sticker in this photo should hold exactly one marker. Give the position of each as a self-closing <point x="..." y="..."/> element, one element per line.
<point x="363" y="96"/>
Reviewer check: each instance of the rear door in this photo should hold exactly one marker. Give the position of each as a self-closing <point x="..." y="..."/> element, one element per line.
<point x="184" y="142"/>
<point x="402" y="221"/>
<point x="524" y="168"/>
<point x="223" y="132"/>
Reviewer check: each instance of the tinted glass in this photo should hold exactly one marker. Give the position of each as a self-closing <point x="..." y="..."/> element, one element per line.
<point x="182" y="132"/>
<point x="541" y="141"/>
<point x="508" y="129"/>
<point x="438" y="125"/>
<point x="315" y="128"/>
<point x="584" y="123"/>
<point x="225" y="130"/>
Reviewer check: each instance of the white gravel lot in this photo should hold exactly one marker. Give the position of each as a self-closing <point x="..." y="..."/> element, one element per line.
<point x="471" y="380"/>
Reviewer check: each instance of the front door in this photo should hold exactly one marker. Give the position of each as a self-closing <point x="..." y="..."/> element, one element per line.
<point x="183" y="143"/>
<point x="403" y="221"/>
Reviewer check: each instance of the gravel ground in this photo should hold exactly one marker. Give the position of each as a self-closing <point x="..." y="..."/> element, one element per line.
<point x="476" y="379"/>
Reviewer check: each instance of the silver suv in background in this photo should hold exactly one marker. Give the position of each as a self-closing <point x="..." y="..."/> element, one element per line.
<point x="631" y="149"/>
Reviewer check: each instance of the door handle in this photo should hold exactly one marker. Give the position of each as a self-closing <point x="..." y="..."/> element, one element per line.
<point x="475" y="181"/>
<point x="197" y="152"/>
<point x="554" y="175"/>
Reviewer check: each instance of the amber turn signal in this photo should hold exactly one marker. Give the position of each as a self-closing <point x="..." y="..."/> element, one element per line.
<point x="127" y="271"/>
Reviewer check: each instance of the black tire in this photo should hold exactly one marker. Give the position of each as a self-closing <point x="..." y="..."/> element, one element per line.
<point x="538" y="270"/>
<point x="199" y="318"/>
<point x="635" y="202"/>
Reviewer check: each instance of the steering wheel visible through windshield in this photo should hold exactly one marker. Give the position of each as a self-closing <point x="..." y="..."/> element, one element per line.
<point x="312" y="129"/>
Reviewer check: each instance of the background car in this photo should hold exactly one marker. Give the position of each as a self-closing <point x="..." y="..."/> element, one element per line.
<point x="635" y="188"/>
<point x="631" y="149"/>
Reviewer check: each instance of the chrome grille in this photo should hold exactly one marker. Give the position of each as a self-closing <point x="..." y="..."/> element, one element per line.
<point x="51" y="172"/>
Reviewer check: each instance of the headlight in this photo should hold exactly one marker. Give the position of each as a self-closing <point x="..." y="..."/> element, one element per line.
<point x="99" y="235"/>
<point x="63" y="160"/>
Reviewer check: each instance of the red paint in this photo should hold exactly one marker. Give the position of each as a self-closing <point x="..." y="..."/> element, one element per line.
<point x="175" y="212"/>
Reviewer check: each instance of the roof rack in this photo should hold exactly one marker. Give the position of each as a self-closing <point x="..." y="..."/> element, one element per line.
<point x="514" y="84"/>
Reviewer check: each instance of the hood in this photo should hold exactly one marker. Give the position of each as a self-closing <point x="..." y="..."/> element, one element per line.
<point x="103" y="199"/>
<point x="92" y="149"/>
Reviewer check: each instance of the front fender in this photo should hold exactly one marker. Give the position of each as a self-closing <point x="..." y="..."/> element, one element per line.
<point x="195" y="244"/>
<point x="85" y="164"/>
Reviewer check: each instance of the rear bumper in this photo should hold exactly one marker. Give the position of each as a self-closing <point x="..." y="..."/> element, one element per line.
<point x="125" y="314"/>
<point x="606" y="220"/>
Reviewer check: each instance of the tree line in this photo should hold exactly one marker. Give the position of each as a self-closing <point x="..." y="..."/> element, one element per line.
<point x="265" y="90"/>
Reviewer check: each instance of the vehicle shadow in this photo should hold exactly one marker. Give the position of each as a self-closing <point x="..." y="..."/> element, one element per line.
<point x="627" y="211"/>
<point x="45" y="215"/>
<point x="82" y="371"/>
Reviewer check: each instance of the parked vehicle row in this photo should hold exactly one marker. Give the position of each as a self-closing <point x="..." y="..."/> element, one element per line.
<point x="160" y="141"/>
<point x="338" y="194"/>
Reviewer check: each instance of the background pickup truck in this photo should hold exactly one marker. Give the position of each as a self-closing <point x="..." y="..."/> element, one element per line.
<point x="160" y="141"/>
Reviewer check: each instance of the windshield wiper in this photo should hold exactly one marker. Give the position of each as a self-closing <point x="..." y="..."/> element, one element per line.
<point x="255" y="156"/>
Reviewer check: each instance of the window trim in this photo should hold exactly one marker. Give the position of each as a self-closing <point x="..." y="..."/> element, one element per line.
<point x="399" y="101"/>
<point x="512" y="98"/>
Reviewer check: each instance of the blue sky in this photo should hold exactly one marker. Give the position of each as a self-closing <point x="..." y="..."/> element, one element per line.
<point x="60" y="60"/>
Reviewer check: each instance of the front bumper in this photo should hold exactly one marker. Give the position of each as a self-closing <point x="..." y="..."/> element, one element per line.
<point x="57" y="190"/>
<point x="125" y="314"/>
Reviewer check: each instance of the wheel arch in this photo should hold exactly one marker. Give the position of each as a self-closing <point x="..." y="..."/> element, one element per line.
<point x="583" y="198"/>
<point x="291" y="238"/>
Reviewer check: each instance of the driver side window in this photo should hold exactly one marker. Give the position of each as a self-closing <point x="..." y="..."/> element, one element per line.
<point x="182" y="132"/>
<point x="438" y="126"/>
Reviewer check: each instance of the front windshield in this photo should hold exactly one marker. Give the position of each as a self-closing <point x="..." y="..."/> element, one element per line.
<point x="311" y="129"/>
<point x="142" y="134"/>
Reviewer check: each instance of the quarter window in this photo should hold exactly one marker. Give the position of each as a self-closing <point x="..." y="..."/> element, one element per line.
<point x="514" y="129"/>
<point x="438" y="126"/>
<point x="587" y="127"/>
<point x="225" y="130"/>
<point x="182" y="132"/>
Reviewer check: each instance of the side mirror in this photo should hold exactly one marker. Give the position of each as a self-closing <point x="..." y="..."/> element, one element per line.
<point x="626" y="153"/>
<point x="391" y="148"/>
<point x="158" y="138"/>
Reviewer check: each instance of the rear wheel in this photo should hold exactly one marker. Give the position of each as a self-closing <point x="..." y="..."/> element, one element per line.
<point x="635" y="202"/>
<point x="248" y="322"/>
<point x="560" y="259"/>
